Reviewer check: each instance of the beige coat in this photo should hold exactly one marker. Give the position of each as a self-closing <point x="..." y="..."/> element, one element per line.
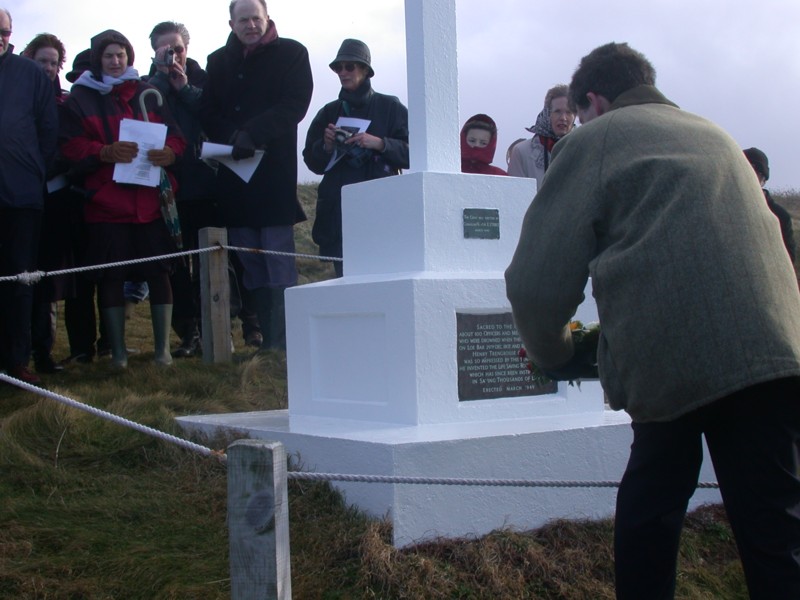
<point x="696" y="294"/>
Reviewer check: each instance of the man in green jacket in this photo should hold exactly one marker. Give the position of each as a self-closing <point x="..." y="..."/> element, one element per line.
<point x="700" y="317"/>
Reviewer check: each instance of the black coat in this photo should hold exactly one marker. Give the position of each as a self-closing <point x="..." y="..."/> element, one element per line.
<point x="265" y="94"/>
<point x="388" y="120"/>
<point x="785" y="220"/>
<point x="29" y="126"/>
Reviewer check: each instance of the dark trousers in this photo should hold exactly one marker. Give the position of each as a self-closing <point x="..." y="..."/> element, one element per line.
<point x="80" y="318"/>
<point x="43" y="328"/>
<point x="753" y="437"/>
<point x="19" y="248"/>
<point x="185" y="279"/>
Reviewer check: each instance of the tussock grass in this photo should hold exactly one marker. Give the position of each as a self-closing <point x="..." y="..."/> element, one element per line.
<point x="92" y="510"/>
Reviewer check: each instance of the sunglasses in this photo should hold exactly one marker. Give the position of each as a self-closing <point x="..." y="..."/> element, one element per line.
<point x="349" y="67"/>
<point x="5" y="33"/>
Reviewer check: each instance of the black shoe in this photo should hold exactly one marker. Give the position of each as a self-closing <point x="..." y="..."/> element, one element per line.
<point x="46" y="364"/>
<point x="254" y="339"/>
<point x="189" y="347"/>
<point x="83" y="358"/>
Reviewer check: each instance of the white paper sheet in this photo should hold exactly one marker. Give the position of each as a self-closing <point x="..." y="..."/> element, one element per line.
<point x="148" y="136"/>
<point x="353" y="126"/>
<point x="221" y="153"/>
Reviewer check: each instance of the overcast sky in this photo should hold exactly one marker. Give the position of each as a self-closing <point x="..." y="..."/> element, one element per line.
<point x="734" y="62"/>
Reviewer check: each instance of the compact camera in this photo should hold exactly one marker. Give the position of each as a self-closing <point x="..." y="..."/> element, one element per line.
<point x="167" y="61"/>
<point x="340" y="135"/>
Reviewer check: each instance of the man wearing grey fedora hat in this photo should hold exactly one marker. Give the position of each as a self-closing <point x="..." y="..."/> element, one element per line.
<point x="341" y="156"/>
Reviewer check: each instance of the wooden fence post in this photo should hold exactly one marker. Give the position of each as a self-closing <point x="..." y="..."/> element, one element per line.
<point x="258" y="521"/>
<point x="215" y="297"/>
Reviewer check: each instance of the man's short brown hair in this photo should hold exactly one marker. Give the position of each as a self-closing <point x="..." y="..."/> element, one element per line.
<point x="608" y="71"/>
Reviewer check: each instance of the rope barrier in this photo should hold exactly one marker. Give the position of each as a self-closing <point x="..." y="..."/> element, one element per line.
<point x="33" y="277"/>
<point x="278" y="253"/>
<point x="36" y="276"/>
<point x="461" y="481"/>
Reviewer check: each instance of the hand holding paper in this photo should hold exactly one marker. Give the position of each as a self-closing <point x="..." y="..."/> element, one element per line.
<point x="243" y="146"/>
<point x="161" y="158"/>
<point x="119" y="152"/>
<point x="221" y="153"/>
<point x="145" y="137"/>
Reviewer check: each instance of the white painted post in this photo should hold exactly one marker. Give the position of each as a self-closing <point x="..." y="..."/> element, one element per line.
<point x="432" y="62"/>
<point x="258" y="521"/>
<point x="215" y="297"/>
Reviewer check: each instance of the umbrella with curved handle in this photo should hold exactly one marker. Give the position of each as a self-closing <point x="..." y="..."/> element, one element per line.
<point x="143" y="95"/>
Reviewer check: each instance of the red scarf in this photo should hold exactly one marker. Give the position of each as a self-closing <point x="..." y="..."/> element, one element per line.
<point x="270" y="35"/>
<point x="547" y="142"/>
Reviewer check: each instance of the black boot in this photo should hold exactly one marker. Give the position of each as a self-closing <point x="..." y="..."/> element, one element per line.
<point x="190" y="345"/>
<point x="262" y="303"/>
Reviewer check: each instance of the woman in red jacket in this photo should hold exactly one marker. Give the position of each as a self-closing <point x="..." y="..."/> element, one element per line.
<point x="124" y="221"/>
<point x="478" y="143"/>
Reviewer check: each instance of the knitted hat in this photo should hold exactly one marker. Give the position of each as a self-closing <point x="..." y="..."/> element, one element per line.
<point x="354" y="51"/>
<point x="759" y="161"/>
<point x="81" y="63"/>
<point x="99" y="43"/>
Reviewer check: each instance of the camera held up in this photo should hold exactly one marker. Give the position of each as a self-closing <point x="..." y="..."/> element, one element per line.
<point x="167" y="61"/>
<point x="355" y="156"/>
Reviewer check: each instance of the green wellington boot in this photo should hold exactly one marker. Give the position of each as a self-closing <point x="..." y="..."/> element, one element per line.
<point x="161" y="315"/>
<point x="114" y="319"/>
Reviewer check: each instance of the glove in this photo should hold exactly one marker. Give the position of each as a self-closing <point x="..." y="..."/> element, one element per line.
<point x="243" y="146"/>
<point x="161" y="158"/>
<point x="119" y="152"/>
<point x="582" y="365"/>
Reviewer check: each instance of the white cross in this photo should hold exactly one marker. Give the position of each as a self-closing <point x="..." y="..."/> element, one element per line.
<point x="432" y="60"/>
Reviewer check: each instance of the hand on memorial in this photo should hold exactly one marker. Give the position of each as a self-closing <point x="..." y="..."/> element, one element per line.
<point x="161" y="158"/>
<point x="243" y="146"/>
<point x="119" y="152"/>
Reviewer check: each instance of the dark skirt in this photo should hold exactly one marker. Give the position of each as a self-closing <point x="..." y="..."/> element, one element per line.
<point x="116" y="242"/>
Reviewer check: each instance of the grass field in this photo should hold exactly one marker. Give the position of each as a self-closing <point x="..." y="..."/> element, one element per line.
<point x="91" y="510"/>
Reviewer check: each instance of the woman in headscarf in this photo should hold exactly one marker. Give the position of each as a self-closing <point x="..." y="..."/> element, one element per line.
<point x="532" y="158"/>
<point x="123" y="221"/>
<point x="478" y="143"/>
<point x="342" y="156"/>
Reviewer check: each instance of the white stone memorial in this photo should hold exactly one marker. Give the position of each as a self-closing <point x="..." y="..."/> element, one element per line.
<point x="407" y="365"/>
